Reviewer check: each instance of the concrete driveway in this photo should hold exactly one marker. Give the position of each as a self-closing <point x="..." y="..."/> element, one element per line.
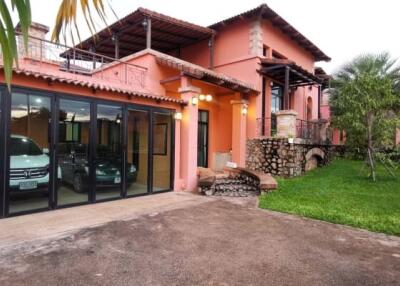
<point x="198" y="241"/>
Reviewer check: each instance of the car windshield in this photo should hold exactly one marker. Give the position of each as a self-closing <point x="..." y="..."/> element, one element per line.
<point x="24" y="146"/>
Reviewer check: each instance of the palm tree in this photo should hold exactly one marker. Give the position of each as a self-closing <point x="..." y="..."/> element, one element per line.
<point x="364" y="99"/>
<point x="66" y="22"/>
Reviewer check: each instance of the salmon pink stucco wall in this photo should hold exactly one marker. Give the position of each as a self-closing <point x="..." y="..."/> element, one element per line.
<point x="278" y="41"/>
<point x="154" y="72"/>
<point x="230" y="44"/>
<point x="299" y="100"/>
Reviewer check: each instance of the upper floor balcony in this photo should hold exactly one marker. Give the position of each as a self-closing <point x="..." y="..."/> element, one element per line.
<point x="74" y="64"/>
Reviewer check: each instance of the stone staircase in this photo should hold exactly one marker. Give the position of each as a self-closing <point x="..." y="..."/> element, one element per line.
<point x="237" y="182"/>
<point x="236" y="187"/>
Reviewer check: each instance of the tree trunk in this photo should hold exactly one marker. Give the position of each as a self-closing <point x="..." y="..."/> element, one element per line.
<point x="370" y="145"/>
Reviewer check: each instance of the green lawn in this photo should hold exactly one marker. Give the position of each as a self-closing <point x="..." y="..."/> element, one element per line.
<point x="339" y="194"/>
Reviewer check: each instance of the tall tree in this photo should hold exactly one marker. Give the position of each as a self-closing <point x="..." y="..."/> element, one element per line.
<point x="364" y="102"/>
<point x="65" y="24"/>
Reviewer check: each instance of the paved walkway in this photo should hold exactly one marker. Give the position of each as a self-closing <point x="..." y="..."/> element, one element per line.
<point x="52" y="224"/>
<point x="184" y="239"/>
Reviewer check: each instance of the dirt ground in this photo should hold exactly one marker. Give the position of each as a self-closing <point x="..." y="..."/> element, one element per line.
<point x="217" y="242"/>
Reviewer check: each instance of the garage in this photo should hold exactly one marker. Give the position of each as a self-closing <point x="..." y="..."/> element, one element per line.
<point x="61" y="150"/>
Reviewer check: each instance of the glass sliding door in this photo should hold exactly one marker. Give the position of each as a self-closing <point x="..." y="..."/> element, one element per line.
<point x="109" y="155"/>
<point x="29" y="173"/>
<point x="162" y="155"/>
<point x="137" y="152"/>
<point x="73" y="152"/>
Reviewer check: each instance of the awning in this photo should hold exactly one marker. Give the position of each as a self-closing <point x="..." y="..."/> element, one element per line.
<point x="276" y="69"/>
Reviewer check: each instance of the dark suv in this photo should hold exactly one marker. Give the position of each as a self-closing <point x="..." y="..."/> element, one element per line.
<point x="73" y="160"/>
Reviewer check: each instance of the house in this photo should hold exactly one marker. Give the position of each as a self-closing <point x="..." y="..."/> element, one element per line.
<point x="136" y="110"/>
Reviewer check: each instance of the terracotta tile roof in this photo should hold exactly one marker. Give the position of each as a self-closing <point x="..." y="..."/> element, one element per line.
<point x="204" y="74"/>
<point x="267" y="13"/>
<point x="97" y="86"/>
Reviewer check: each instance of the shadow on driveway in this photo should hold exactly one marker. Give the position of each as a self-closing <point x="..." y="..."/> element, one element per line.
<point x="216" y="242"/>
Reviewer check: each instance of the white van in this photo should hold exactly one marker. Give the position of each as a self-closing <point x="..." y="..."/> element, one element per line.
<point x="29" y="165"/>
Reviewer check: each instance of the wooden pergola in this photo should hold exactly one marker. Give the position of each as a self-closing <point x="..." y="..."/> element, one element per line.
<point x="145" y="29"/>
<point x="288" y="74"/>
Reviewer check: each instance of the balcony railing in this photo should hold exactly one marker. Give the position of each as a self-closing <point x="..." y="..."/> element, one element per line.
<point x="266" y="127"/>
<point x="68" y="62"/>
<point x="313" y="131"/>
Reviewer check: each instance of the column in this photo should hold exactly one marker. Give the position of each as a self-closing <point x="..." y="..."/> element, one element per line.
<point x="286" y="123"/>
<point x="189" y="126"/>
<point x="239" y="134"/>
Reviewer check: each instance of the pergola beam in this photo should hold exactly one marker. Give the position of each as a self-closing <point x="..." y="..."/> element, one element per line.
<point x="286" y="88"/>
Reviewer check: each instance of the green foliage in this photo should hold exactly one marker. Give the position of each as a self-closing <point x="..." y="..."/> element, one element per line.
<point x="8" y="41"/>
<point x="66" y="20"/>
<point x="366" y="94"/>
<point x="338" y="193"/>
<point x="65" y="23"/>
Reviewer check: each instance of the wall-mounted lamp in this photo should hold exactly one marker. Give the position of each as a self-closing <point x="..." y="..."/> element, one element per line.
<point x="178" y="115"/>
<point x="244" y="109"/>
<point x="145" y="24"/>
<point x="195" y="100"/>
<point x="205" y="97"/>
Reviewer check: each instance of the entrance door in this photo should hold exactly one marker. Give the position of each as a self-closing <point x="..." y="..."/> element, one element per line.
<point x="137" y="170"/>
<point x="162" y="151"/>
<point x="202" y="139"/>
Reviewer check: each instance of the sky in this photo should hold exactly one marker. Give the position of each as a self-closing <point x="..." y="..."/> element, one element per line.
<point x="342" y="29"/>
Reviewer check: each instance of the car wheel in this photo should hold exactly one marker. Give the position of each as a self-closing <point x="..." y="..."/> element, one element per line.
<point x="78" y="183"/>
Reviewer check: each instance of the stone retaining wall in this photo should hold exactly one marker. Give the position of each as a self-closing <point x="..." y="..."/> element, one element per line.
<point x="278" y="157"/>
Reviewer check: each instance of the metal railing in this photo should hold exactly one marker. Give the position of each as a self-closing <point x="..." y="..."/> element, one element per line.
<point x="314" y="131"/>
<point x="70" y="62"/>
<point x="266" y="127"/>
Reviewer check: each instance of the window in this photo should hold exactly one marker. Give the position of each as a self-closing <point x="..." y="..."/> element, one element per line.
<point x="278" y="56"/>
<point x="276" y="98"/>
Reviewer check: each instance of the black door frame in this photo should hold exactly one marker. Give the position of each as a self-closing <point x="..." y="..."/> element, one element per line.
<point x="5" y="128"/>
<point x="95" y="137"/>
<point x="208" y="132"/>
<point x="7" y="138"/>
<point x="172" y="148"/>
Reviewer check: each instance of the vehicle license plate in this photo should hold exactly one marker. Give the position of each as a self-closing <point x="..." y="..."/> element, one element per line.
<point x="29" y="185"/>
